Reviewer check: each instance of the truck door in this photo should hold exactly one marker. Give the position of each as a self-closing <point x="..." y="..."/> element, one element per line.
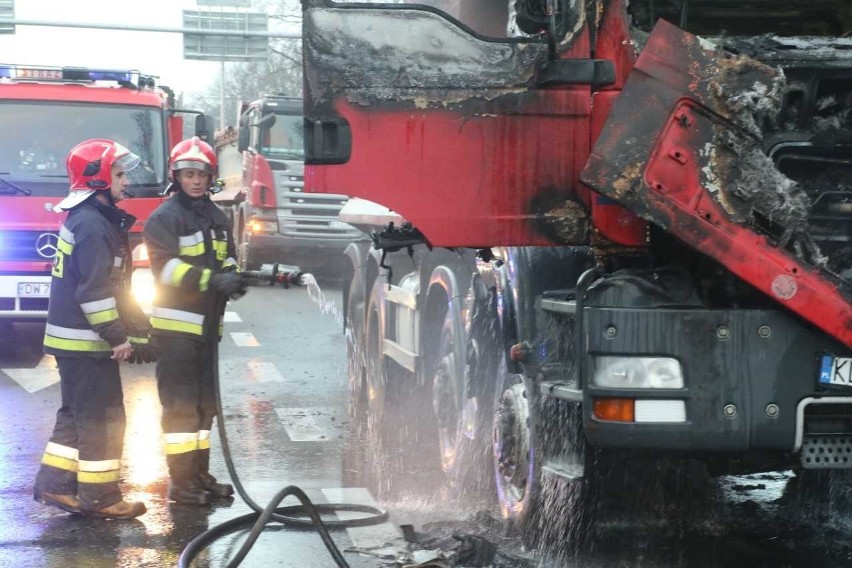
<point x="476" y="140"/>
<point x="684" y="148"/>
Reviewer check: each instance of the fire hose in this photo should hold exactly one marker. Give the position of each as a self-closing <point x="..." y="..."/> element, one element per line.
<point x="305" y="515"/>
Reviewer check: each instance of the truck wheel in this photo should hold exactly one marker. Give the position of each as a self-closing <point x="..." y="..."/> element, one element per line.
<point x="515" y="472"/>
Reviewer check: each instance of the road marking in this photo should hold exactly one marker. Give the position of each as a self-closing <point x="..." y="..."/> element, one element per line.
<point x="40" y="377"/>
<point x="264" y="371"/>
<point x="232" y="317"/>
<point x="302" y="424"/>
<point x="362" y="537"/>
<point x="244" y="339"/>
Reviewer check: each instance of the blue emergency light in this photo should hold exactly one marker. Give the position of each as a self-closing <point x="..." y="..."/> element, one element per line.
<point x="81" y="74"/>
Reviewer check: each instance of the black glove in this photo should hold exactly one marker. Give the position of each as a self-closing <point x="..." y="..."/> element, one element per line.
<point x="230" y="284"/>
<point x="143" y="352"/>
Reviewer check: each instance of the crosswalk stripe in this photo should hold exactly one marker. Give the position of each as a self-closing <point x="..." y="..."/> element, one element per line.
<point x="40" y="377"/>
<point x="301" y="423"/>
<point x="362" y="537"/>
<point x="232" y="317"/>
<point x="264" y="371"/>
<point x="244" y="339"/>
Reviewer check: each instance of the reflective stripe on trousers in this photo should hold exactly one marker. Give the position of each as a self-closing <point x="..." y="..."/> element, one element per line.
<point x="82" y="456"/>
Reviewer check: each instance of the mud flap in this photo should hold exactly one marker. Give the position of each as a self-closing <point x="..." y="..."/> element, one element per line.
<point x="683" y="149"/>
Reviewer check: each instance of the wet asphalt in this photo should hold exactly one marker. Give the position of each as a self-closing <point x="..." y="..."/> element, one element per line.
<point x="283" y="377"/>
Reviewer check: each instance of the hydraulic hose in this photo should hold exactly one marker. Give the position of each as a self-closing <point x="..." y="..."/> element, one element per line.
<point x="305" y="515"/>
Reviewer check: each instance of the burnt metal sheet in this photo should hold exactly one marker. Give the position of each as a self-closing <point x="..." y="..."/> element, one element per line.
<point x="683" y="149"/>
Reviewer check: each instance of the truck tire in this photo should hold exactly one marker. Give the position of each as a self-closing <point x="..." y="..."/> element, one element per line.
<point x="542" y="467"/>
<point x="459" y="368"/>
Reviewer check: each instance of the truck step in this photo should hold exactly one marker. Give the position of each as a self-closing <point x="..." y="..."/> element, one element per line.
<point x="826" y="451"/>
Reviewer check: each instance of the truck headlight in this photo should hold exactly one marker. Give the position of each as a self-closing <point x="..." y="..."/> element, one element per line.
<point x="258" y="226"/>
<point x="636" y="372"/>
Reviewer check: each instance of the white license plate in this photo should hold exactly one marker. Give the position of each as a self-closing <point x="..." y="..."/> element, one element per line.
<point x="836" y="371"/>
<point x="338" y="225"/>
<point x="33" y="289"/>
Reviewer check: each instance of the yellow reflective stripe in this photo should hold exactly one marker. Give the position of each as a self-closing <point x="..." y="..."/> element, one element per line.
<point x="221" y="248"/>
<point x="76" y="344"/>
<point x="64" y="246"/>
<point x="102" y="317"/>
<point x="173" y="325"/>
<point x="181" y="442"/>
<point x="192" y="250"/>
<point x="97" y="476"/>
<point x="100" y="465"/>
<point x="137" y="340"/>
<point x="179" y="272"/>
<point x="204" y="444"/>
<point x="230" y="261"/>
<point x="59" y="462"/>
<point x="204" y="281"/>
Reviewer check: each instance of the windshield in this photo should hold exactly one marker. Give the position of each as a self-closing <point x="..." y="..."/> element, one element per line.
<point x="285" y="139"/>
<point x="38" y="136"/>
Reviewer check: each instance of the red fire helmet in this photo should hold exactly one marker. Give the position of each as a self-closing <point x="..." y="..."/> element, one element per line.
<point x="193" y="153"/>
<point x="89" y="166"/>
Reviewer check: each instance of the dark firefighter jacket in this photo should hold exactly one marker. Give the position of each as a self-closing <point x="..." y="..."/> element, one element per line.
<point x="188" y="241"/>
<point x="91" y="308"/>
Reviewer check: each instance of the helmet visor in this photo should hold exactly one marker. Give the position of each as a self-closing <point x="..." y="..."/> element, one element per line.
<point x="192" y="165"/>
<point x="127" y="161"/>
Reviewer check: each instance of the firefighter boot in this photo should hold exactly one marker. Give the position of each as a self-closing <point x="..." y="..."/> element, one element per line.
<point x="68" y="503"/>
<point x="209" y="483"/>
<point x="189" y="492"/>
<point x="121" y="510"/>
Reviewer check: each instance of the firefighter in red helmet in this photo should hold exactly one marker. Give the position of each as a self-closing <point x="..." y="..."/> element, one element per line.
<point x="192" y="256"/>
<point x="92" y="324"/>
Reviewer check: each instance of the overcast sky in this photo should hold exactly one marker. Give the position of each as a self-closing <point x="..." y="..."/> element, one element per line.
<point x="152" y="53"/>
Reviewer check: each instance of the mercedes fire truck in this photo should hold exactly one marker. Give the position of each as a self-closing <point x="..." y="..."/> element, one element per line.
<point x="44" y="112"/>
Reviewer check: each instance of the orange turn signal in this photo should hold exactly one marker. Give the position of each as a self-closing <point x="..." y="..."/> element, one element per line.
<point x="615" y="409"/>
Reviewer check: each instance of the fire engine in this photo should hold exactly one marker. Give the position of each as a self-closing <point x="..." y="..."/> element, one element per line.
<point x="44" y="112"/>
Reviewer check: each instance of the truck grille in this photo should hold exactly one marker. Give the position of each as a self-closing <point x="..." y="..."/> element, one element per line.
<point x="309" y="215"/>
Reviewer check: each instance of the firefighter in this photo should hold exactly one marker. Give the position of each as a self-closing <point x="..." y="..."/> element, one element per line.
<point x="192" y="256"/>
<point x="92" y="324"/>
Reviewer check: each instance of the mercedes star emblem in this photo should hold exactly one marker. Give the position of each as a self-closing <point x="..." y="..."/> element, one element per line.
<point x="46" y="245"/>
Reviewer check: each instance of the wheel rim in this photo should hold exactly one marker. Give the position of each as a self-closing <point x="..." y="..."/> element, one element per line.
<point x="375" y="375"/>
<point x="513" y="456"/>
<point x="446" y="411"/>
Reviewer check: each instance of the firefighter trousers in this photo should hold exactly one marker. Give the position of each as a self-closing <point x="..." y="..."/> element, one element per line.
<point x="185" y="384"/>
<point x="84" y="452"/>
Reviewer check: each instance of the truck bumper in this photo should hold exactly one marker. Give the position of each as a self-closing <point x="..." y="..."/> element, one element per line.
<point x="24" y="297"/>
<point x="750" y="380"/>
<point x="307" y="253"/>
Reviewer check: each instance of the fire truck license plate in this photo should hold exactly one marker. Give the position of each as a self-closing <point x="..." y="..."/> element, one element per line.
<point x="836" y="371"/>
<point x="33" y="289"/>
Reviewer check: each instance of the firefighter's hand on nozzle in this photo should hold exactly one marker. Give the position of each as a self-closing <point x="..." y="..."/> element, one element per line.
<point x="122" y="352"/>
<point x="230" y="284"/>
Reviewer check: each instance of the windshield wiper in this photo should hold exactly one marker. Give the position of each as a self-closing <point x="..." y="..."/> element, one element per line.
<point x="8" y="184"/>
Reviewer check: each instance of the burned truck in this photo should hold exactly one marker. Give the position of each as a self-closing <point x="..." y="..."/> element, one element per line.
<point x="616" y="234"/>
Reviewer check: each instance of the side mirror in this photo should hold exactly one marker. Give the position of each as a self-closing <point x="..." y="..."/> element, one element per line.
<point x="203" y="126"/>
<point x="243" y="139"/>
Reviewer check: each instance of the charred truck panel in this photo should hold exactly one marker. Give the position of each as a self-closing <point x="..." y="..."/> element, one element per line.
<point x="649" y="231"/>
